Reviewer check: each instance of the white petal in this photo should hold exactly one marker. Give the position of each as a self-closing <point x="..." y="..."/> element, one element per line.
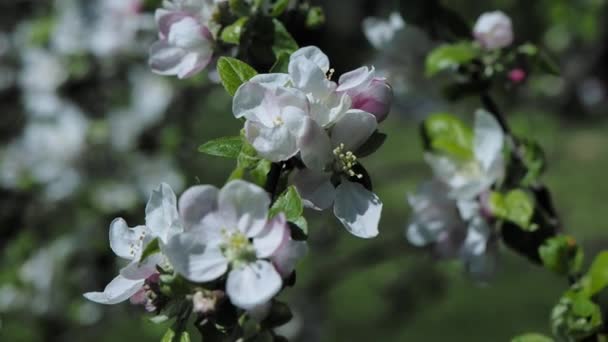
<point x="313" y="54"/>
<point x="358" y="78"/>
<point x="162" y="217"/>
<point x="288" y="255"/>
<point x="271" y="80"/>
<point x="315" y="188"/>
<point x="330" y="109"/>
<point x="271" y="237"/>
<point x="196" y="202"/>
<point x="195" y="261"/>
<point x="166" y="59"/>
<point x="468" y="208"/>
<point x="489" y="139"/>
<point x="118" y="290"/>
<point x="253" y="284"/>
<point x="315" y="146"/>
<point x="248" y="98"/>
<point x="246" y="202"/>
<point x="358" y="209"/>
<point x="126" y="242"/>
<point x="273" y="143"/>
<point x="477" y="236"/>
<point x="307" y="77"/>
<point x="353" y="129"/>
<point x="137" y="271"/>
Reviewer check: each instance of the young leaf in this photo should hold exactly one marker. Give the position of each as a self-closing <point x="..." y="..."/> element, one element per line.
<point x="232" y="33"/>
<point x="289" y="203"/>
<point x="532" y="338"/>
<point x="173" y="336"/>
<point x="283" y="41"/>
<point x="445" y="133"/>
<point x="151" y="248"/>
<point x="516" y="206"/>
<point x="279" y="7"/>
<point x="449" y="56"/>
<point x="233" y="73"/>
<point x="260" y="172"/>
<point x="562" y="255"/>
<point x="227" y="147"/>
<point x="598" y="273"/>
<point x="282" y="63"/>
<point x="315" y="17"/>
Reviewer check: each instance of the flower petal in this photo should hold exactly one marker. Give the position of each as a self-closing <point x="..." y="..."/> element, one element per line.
<point x="273" y="143"/>
<point x="271" y="237"/>
<point x="313" y="54"/>
<point x="353" y="129"/>
<point x="308" y="77"/>
<point x="162" y="217"/>
<point x="358" y="209"/>
<point x="287" y="255"/>
<point x="195" y="261"/>
<point x="142" y="270"/>
<point x="126" y="242"/>
<point x="196" y="202"/>
<point x="246" y="202"/>
<point x="274" y="80"/>
<point x="247" y="99"/>
<point x="489" y="139"/>
<point x="315" y="188"/>
<point x="118" y="290"/>
<point x="358" y="78"/>
<point x="315" y="146"/>
<point x="253" y="284"/>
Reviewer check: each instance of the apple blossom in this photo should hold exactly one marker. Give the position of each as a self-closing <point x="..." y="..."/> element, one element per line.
<point x="367" y="91"/>
<point x="380" y="32"/>
<point x="455" y="229"/>
<point x="332" y="175"/>
<point x="162" y="222"/>
<point x="493" y="30"/>
<point x="231" y="234"/>
<point x="186" y="42"/>
<point x="469" y="178"/>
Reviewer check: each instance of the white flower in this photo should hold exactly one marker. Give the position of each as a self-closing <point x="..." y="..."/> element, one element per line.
<point x="186" y="43"/>
<point x="230" y="233"/>
<point x="454" y="229"/>
<point x="380" y="32"/>
<point x="469" y="178"/>
<point x="116" y="26"/>
<point x="162" y="222"/>
<point x="330" y="158"/>
<point x="493" y="30"/>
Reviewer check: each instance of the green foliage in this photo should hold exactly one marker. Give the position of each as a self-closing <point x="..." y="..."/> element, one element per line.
<point x="152" y="248"/>
<point x="291" y="204"/>
<point x="533" y="158"/>
<point x="233" y="73"/>
<point x="516" y="206"/>
<point x="239" y="7"/>
<point x="283" y="41"/>
<point x="447" y="134"/>
<point x="540" y="59"/>
<point x="449" y="57"/>
<point x="172" y="336"/>
<point x="315" y="17"/>
<point x="282" y="63"/>
<point x="227" y="147"/>
<point x="232" y="34"/>
<point x="279" y="7"/>
<point x="562" y="255"/>
<point x="575" y="317"/>
<point x="598" y="274"/>
<point x="532" y="337"/>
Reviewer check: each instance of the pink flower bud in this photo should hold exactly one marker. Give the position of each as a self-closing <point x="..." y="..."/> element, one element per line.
<point x="493" y="30"/>
<point x="517" y="75"/>
<point x="376" y="98"/>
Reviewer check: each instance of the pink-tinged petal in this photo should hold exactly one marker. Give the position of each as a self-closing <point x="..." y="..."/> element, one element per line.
<point x="270" y="239"/>
<point x="375" y="99"/>
<point x="353" y="129"/>
<point x="142" y="270"/>
<point x="248" y="203"/>
<point x="358" y="78"/>
<point x="196" y="202"/>
<point x="315" y="188"/>
<point x="314" y="55"/>
<point x="253" y="284"/>
<point x="195" y="261"/>
<point x="358" y="209"/>
<point x="139" y="298"/>
<point x="165" y="18"/>
<point x="493" y="30"/>
<point x="118" y="290"/>
<point x="165" y="59"/>
<point x="287" y="255"/>
<point x="315" y="146"/>
<point x="126" y="242"/>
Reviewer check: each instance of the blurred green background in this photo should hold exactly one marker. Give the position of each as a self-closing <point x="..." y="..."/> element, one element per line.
<point x="54" y="248"/>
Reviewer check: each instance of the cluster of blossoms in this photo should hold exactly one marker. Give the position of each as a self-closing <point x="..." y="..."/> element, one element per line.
<point x="208" y="235"/>
<point x="451" y="212"/>
<point x="304" y="115"/>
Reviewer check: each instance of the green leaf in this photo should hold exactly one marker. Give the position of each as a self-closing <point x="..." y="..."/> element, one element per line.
<point x="516" y="207"/>
<point x="534" y="161"/>
<point x="172" y="336"/>
<point x="233" y="73"/>
<point x="282" y="64"/>
<point x="289" y="203"/>
<point x="447" y="134"/>
<point x="598" y="273"/>
<point x="227" y="147"/>
<point x="562" y="255"/>
<point x="575" y="317"/>
<point x="532" y="338"/>
<point x="279" y="7"/>
<point x="302" y="226"/>
<point x="152" y="248"/>
<point x="239" y="7"/>
<point x="237" y="173"/>
<point x="449" y="56"/>
<point x="283" y="41"/>
<point x="232" y="34"/>
<point x="260" y="172"/>
<point x="315" y="17"/>
<point x="248" y="157"/>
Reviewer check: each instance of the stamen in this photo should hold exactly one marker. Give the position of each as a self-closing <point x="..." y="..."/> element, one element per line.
<point x="345" y="161"/>
<point x="330" y="74"/>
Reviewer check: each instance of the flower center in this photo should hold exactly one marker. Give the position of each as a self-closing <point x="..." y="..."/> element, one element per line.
<point x="345" y="161"/>
<point x="237" y="247"/>
<point x="472" y="169"/>
<point x="330" y="73"/>
<point x="278" y="121"/>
